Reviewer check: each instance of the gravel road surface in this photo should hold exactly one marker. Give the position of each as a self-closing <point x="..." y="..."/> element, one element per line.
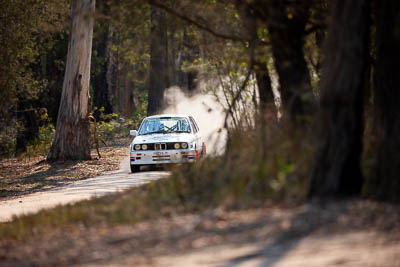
<point x="79" y="190"/>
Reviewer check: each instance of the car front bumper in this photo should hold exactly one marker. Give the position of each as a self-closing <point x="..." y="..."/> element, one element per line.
<point x="163" y="156"/>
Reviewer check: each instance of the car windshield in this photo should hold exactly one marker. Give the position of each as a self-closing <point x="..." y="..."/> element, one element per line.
<point x="164" y="125"/>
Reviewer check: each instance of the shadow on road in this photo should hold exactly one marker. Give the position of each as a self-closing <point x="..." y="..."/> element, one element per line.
<point x="301" y="225"/>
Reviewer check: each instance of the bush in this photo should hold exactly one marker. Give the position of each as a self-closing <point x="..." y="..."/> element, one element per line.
<point x="256" y="170"/>
<point x="42" y="144"/>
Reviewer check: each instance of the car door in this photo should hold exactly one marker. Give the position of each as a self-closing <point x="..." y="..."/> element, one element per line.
<point x="198" y="137"/>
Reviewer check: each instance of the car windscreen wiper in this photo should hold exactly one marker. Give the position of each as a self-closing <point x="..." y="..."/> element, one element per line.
<point x="180" y="132"/>
<point x="161" y="131"/>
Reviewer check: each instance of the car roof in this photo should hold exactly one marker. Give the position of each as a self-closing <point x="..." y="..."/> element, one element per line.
<point x="168" y="115"/>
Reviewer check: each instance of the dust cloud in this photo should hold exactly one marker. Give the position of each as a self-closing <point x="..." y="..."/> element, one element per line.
<point x="205" y="109"/>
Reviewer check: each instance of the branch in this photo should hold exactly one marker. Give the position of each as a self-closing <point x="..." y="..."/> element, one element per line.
<point x="96" y="139"/>
<point x="196" y="23"/>
<point x="243" y="87"/>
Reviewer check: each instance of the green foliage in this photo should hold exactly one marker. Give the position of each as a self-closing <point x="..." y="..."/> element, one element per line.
<point x="28" y="44"/>
<point x="141" y="111"/>
<point x="41" y="145"/>
<point x="23" y="32"/>
<point x="112" y="126"/>
<point x="37" y="147"/>
<point x="7" y="142"/>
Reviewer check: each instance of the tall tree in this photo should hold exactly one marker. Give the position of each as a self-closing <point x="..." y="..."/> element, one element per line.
<point x="72" y="131"/>
<point x="158" y="61"/>
<point x="286" y="26"/>
<point x="387" y="96"/>
<point x="101" y="60"/>
<point x="264" y="88"/>
<point x="286" y="23"/>
<point x="337" y="164"/>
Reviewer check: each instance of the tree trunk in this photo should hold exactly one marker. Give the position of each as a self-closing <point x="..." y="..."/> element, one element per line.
<point x="387" y="97"/>
<point x="112" y="71"/>
<point x="158" y="62"/>
<point x="71" y="141"/>
<point x="129" y="104"/>
<point x="29" y="130"/>
<point x="337" y="164"/>
<point x="183" y="56"/>
<point x="264" y="88"/>
<point x="286" y="32"/>
<point x="121" y="90"/>
<point x="248" y="13"/>
<point x="101" y="97"/>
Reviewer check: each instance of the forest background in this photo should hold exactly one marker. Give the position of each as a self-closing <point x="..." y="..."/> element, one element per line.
<point x="338" y="128"/>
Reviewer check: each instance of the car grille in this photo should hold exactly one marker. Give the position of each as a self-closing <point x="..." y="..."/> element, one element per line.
<point x="160" y="146"/>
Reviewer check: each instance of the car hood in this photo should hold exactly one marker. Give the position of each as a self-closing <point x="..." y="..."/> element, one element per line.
<point x="158" y="138"/>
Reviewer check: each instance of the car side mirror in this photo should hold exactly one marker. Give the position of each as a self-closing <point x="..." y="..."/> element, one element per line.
<point x="133" y="132"/>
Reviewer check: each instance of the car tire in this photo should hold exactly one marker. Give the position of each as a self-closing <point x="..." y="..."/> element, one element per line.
<point x="135" y="168"/>
<point x="203" y="151"/>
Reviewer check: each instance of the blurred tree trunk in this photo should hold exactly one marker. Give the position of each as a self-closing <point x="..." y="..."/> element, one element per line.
<point x="158" y="61"/>
<point x="29" y="130"/>
<point x="337" y="163"/>
<point x="72" y="131"/>
<point x="387" y="97"/>
<point x="101" y="97"/>
<point x="55" y="74"/>
<point x="112" y="73"/>
<point x="183" y="56"/>
<point x="248" y="12"/>
<point x="121" y="89"/>
<point x="192" y="52"/>
<point x="286" y="26"/>
<point x="174" y="47"/>
<point x="129" y="103"/>
<point x="264" y="88"/>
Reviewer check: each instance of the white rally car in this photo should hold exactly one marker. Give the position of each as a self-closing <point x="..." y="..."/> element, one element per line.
<point x="164" y="139"/>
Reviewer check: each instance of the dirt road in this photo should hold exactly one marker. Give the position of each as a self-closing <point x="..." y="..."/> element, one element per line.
<point x="79" y="190"/>
<point x="355" y="233"/>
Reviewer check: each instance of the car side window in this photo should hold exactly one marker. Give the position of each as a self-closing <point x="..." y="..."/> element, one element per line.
<point x="194" y="125"/>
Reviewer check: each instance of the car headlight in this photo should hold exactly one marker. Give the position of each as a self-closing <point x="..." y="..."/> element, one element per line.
<point x="177" y="146"/>
<point x="184" y="145"/>
<point x="137" y="147"/>
<point x="144" y="147"/>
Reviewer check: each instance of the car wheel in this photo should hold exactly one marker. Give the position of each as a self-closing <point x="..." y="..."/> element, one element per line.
<point x="135" y="168"/>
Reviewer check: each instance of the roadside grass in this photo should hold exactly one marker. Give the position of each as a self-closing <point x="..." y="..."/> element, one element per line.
<point x="248" y="176"/>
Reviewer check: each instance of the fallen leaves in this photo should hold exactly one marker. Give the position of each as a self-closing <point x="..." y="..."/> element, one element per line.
<point x="19" y="177"/>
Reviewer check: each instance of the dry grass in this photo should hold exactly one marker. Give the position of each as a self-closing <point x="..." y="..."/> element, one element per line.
<point x="133" y="245"/>
<point x="241" y="180"/>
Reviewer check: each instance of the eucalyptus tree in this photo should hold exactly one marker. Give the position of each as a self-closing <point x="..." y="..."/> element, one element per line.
<point x="71" y="140"/>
